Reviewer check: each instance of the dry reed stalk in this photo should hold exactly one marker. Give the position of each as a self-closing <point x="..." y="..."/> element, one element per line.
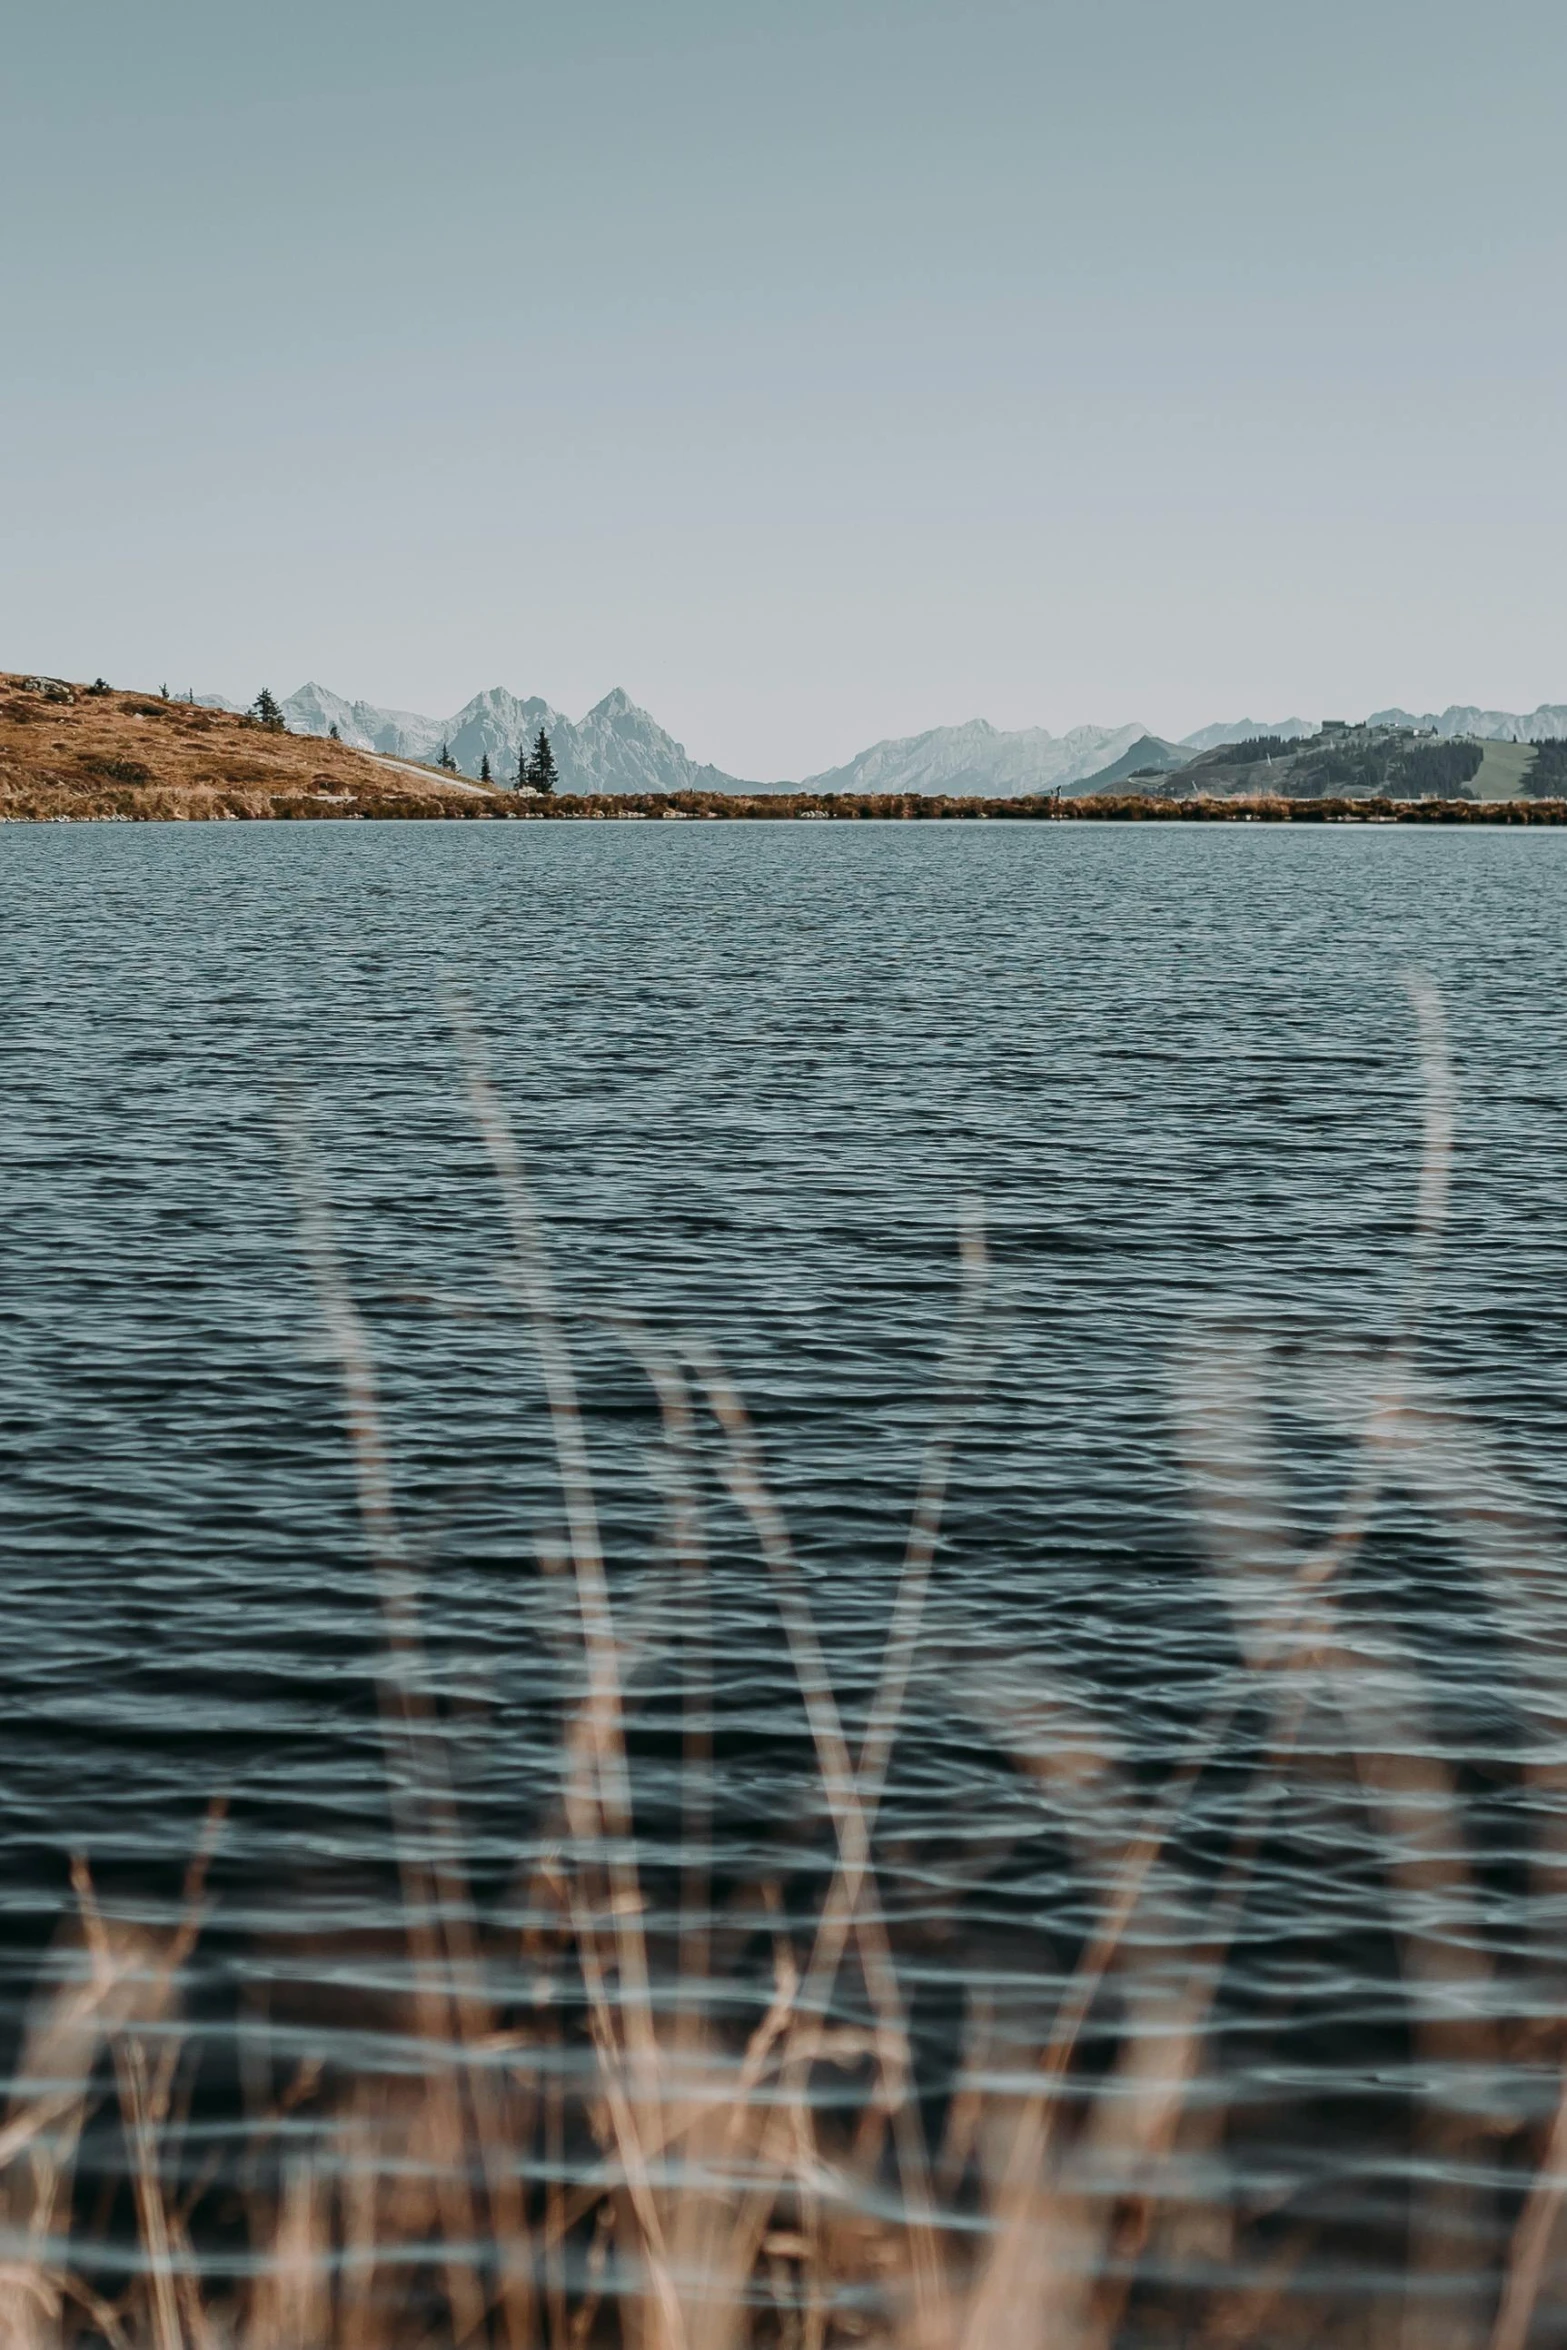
<point x="600" y="1803"/>
<point x="1100" y="2184"/>
<point x="850" y="1818"/>
<point x="1065" y="2214"/>
<point x="598" y="1796"/>
<point x="1284" y="1605"/>
<point x="453" y="2010"/>
<point x="963" y="1380"/>
<point x="1043" y="2256"/>
<point x="1377" y="1699"/>
<point x="292" y="2301"/>
<point x="124" y="1986"/>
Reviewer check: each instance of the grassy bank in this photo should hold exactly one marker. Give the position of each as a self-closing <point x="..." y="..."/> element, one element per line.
<point x="379" y="799"/>
<point x="78" y="753"/>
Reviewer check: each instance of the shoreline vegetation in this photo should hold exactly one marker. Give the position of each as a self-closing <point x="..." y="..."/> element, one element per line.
<point x="90" y="754"/>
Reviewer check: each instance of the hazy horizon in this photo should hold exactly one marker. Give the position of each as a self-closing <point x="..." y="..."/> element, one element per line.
<point x="818" y="373"/>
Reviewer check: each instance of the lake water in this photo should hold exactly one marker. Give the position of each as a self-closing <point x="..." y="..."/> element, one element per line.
<point x="755" y="1070"/>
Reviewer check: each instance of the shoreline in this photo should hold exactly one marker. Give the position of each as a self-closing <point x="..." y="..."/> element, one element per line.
<point x="498" y="806"/>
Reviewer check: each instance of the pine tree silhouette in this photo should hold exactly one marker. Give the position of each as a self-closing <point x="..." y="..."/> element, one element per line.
<point x="446" y="761"/>
<point x="484" y="769"/>
<point x="542" y="771"/>
<point x="267" y="711"/>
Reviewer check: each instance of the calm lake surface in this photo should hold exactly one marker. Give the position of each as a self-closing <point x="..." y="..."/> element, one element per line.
<point x="754" y="1070"/>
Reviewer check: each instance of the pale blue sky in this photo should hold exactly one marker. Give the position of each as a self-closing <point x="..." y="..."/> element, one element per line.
<point x="817" y="372"/>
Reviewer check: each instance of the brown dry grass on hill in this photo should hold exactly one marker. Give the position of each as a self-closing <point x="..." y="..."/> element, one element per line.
<point x="73" y="751"/>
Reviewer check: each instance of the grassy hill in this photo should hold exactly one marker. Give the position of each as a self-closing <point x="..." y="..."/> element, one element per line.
<point x="87" y="751"/>
<point x="1366" y="762"/>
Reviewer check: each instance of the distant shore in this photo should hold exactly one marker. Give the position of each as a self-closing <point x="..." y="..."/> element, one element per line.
<point x="94" y="754"/>
<point x="515" y="807"/>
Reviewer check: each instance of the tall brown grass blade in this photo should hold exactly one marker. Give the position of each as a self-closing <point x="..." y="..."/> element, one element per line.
<point x="1031" y="2264"/>
<point x="688" y="1550"/>
<point x="130" y="2064"/>
<point x="611" y="1792"/>
<point x="1286" y="1619"/>
<point x="840" y="1785"/>
<point x="128" y="1987"/>
<point x="1530" y="2250"/>
<point x="437" y="1908"/>
<point x="292" y="2304"/>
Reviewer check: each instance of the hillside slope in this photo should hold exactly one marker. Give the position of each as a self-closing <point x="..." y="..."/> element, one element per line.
<point x="1369" y="761"/>
<point x="1149" y="755"/>
<point x="77" y="751"/>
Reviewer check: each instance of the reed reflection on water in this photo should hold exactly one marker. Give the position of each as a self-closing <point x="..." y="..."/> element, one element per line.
<point x="911" y="1991"/>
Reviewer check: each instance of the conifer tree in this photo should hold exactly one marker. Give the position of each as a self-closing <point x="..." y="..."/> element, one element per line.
<point x="523" y="783"/>
<point x="484" y="769"/>
<point x="267" y="711"/>
<point x="332" y="731"/>
<point x="446" y="762"/>
<point x="542" y="772"/>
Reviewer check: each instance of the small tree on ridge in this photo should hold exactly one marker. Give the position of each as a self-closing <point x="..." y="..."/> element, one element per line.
<point x="542" y="771"/>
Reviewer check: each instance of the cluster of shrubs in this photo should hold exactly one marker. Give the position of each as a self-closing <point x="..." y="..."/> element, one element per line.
<point x="115" y="770"/>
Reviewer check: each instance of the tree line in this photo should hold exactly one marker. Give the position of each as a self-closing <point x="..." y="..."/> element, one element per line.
<point x="536" y="768"/>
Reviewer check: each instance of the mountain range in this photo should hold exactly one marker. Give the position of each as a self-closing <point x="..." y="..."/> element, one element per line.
<point x="615" y="748"/>
<point x="1546" y="724"/>
<point x="618" y="747"/>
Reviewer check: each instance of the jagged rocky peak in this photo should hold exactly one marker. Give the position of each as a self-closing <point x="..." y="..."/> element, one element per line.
<point x="976" y="758"/>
